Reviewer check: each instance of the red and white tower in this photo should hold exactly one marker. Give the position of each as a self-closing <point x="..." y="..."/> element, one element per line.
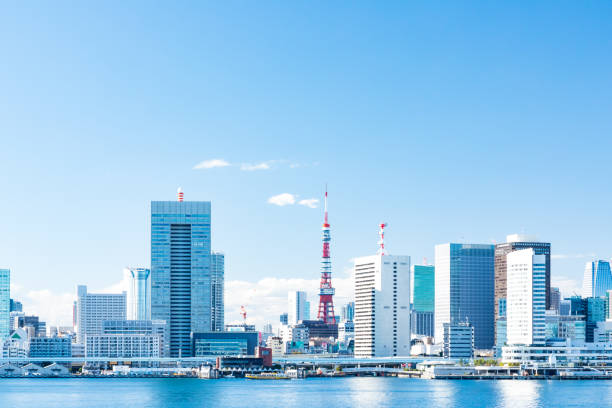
<point x="326" y="291"/>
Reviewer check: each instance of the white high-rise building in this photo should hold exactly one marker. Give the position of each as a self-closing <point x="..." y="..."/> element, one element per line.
<point x="526" y="301"/>
<point x="217" y="296"/>
<point x="93" y="309"/>
<point x="297" y="303"/>
<point x="382" y="306"/>
<point x="139" y="293"/>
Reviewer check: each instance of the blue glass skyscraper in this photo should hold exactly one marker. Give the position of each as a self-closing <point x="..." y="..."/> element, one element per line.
<point x="5" y="303"/>
<point x="180" y="271"/>
<point x="464" y="290"/>
<point x="597" y="279"/>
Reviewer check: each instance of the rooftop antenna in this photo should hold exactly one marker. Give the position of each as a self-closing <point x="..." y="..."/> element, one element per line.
<point x="381" y="242"/>
<point x="179" y="194"/>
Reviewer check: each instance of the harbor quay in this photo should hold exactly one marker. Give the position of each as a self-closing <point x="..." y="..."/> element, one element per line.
<point x="215" y="367"/>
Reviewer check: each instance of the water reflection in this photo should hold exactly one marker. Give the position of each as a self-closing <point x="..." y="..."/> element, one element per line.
<point x="518" y="393"/>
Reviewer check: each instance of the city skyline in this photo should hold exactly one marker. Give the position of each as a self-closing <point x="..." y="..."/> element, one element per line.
<point x="411" y="121"/>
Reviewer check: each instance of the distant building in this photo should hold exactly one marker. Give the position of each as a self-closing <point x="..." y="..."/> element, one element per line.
<point x="276" y="344"/>
<point x="139" y="293"/>
<point x="348" y="312"/>
<point x="93" y="309"/>
<point x="382" y="306"/>
<point x="225" y="343"/>
<point x="464" y="290"/>
<point x="242" y="327"/>
<point x="217" y="284"/>
<point x="555" y="299"/>
<point x="517" y="242"/>
<point x="295" y="338"/>
<point x="284" y="318"/>
<point x="423" y="288"/>
<point x="127" y="339"/>
<point x="31" y="324"/>
<point x="526" y="298"/>
<point x="296" y="306"/>
<point x="596" y="312"/>
<point x="422" y="323"/>
<point x="458" y="340"/>
<point x="565" y="307"/>
<point x="50" y="347"/>
<point x="5" y="303"/>
<point x="16" y="306"/>
<point x="565" y="327"/>
<point x="317" y="329"/>
<point x="597" y="279"/>
<point x="180" y="270"/>
<point x="346" y="332"/>
<point x="17" y="345"/>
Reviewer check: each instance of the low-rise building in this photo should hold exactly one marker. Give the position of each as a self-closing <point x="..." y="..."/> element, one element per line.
<point x="50" y="347"/>
<point x="458" y="340"/>
<point x="227" y="343"/>
<point x="560" y="353"/>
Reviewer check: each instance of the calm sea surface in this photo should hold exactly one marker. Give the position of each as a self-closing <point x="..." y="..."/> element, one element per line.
<point x="308" y="393"/>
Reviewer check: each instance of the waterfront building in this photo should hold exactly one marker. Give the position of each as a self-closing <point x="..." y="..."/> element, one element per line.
<point x="526" y="298"/>
<point x="5" y="303"/>
<point x="296" y="306"/>
<point x="50" y="347"/>
<point x="458" y="340"/>
<point x="217" y="294"/>
<point x="464" y="290"/>
<point x="180" y="270"/>
<point x="564" y="327"/>
<point x="216" y="343"/>
<point x="78" y="350"/>
<point x="561" y="353"/>
<point x="16" y="345"/>
<point x="501" y="335"/>
<point x="382" y="306"/>
<point x="276" y="344"/>
<point x="596" y="312"/>
<point x="16" y="306"/>
<point x="284" y="318"/>
<point x="423" y="288"/>
<point x="348" y="312"/>
<point x="422" y="323"/>
<point x="94" y="308"/>
<point x="139" y="293"/>
<point x="127" y="339"/>
<point x="517" y="242"/>
<point x="597" y="279"/>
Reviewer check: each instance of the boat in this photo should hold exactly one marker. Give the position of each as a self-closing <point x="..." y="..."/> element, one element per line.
<point x="267" y="376"/>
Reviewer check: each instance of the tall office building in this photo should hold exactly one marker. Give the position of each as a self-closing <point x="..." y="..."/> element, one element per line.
<point x="296" y="307"/>
<point x="423" y="288"/>
<point x="217" y="282"/>
<point x="5" y="303"/>
<point x="516" y="242"/>
<point x="16" y="306"/>
<point x="180" y="270"/>
<point x="526" y="298"/>
<point x="348" y="312"/>
<point x="464" y="290"/>
<point x="597" y="279"/>
<point x="555" y="299"/>
<point x="94" y="308"/>
<point x="139" y="293"/>
<point x="382" y="306"/>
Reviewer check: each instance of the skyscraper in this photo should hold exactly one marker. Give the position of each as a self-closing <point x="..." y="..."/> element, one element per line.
<point x="5" y="303"/>
<point x="348" y="312"/>
<point x="296" y="307"/>
<point x="423" y="299"/>
<point x="217" y="279"/>
<point x="517" y="242"/>
<point x="382" y="306"/>
<point x="597" y="279"/>
<point x="555" y="299"/>
<point x="94" y="308"/>
<point x="180" y="270"/>
<point x="526" y="298"/>
<point x="464" y="290"/>
<point x="139" y="293"/>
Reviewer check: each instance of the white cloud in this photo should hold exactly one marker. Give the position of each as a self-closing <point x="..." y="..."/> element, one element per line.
<point x="282" y="199"/>
<point x="258" y="166"/>
<point x="52" y="308"/>
<point x="310" y="202"/>
<point x="211" y="164"/>
<point x="567" y="286"/>
<point x="572" y="256"/>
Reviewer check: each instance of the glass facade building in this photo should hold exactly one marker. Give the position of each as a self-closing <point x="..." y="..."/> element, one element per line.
<point x="597" y="279"/>
<point x="217" y="276"/>
<point x="423" y="288"/>
<point x="139" y="293"/>
<point x="5" y="303"/>
<point x="180" y="271"/>
<point x="464" y="290"/>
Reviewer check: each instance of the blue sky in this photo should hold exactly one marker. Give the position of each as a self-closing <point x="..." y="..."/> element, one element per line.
<point x="451" y="122"/>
